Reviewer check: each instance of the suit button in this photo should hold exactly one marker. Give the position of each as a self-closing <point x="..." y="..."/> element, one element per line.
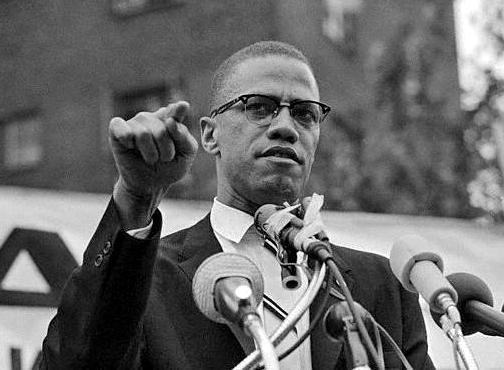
<point x="98" y="260"/>
<point x="106" y="248"/>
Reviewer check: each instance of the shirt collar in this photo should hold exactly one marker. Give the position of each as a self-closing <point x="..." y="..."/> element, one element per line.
<point x="229" y="222"/>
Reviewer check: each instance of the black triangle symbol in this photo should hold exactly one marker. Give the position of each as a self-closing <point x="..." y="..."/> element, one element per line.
<point x="50" y="255"/>
<point x="24" y="275"/>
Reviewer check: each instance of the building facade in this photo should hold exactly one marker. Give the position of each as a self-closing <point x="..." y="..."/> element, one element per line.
<point x="67" y="67"/>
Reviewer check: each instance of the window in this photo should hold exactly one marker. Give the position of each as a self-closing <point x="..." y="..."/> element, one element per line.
<point x="134" y="7"/>
<point x="340" y="23"/>
<point x="128" y="103"/>
<point x="22" y="141"/>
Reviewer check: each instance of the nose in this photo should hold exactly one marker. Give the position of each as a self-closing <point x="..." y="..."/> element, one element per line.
<point x="283" y="127"/>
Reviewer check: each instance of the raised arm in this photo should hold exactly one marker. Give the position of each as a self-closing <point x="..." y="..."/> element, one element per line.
<point x="151" y="151"/>
<point x="99" y="320"/>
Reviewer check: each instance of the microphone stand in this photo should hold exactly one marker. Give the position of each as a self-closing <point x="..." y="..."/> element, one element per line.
<point x="226" y="289"/>
<point x="454" y="332"/>
<point x="354" y="349"/>
<point x="292" y="318"/>
<point x="237" y="303"/>
<point x="252" y="324"/>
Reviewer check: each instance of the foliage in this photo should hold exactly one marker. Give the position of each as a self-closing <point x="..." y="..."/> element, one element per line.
<point x="410" y="157"/>
<point x="483" y="100"/>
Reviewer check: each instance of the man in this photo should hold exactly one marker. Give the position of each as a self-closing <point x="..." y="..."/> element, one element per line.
<point x="130" y="304"/>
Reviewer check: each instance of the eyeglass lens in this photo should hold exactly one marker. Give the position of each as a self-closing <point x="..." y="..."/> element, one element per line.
<point x="260" y="109"/>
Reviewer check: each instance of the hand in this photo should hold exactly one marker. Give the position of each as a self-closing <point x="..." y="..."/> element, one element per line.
<point x="151" y="151"/>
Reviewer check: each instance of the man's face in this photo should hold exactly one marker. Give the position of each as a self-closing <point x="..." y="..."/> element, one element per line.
<point x="265" y="164"/>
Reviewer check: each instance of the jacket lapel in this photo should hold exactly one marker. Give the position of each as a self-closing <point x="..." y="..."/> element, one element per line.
<point x="200" y="243"/>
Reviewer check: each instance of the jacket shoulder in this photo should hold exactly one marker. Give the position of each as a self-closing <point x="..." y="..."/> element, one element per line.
<point x="363" y="261"/>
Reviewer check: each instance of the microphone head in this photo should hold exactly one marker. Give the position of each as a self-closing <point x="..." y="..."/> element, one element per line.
<point x="468" y="287"/>
<point x="334" y="324"/>
<point x="219" y="266"/>
<point x="408" y="250"/>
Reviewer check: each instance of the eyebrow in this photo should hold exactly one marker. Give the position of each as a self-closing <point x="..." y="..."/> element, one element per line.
<point x="277" y="99"/>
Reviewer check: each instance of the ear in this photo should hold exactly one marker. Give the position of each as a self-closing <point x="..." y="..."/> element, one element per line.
<point x="209" y="134"/>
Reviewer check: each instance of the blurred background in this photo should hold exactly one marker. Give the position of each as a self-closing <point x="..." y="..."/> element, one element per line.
<point x="415" y="86"/>
<point x="417" y="127"/>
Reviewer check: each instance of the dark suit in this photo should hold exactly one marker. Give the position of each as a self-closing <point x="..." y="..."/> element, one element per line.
<point x="130" y="306"/>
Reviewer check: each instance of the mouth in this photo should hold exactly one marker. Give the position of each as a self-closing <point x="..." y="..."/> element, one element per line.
<point x="282" y="152"/>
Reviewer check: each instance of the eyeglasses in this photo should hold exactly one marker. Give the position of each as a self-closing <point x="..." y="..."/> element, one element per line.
<point x="261" y="109"/>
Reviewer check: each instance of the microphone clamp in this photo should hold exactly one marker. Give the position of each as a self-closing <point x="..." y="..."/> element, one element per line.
<point x="284" y="227"/>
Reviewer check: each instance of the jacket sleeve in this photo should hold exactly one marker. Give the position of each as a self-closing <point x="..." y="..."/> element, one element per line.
<point x="99" y="321"/>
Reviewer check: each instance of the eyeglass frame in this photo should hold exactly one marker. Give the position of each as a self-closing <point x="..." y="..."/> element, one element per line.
<point x="244" y="98"/>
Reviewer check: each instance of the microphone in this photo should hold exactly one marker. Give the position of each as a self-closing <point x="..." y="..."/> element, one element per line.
<point x="280" y="225"/>
<point x="227" y="287"/>
<point x="334" y="325"/>
<point x="420" y="271"/>
<point x="475" y="303"/>
<point x="339" y="325"/>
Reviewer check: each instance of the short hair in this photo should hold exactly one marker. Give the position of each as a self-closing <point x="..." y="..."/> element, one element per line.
<point x="258" y="49"/>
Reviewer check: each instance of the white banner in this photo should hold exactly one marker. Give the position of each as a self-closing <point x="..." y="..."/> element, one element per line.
<point x="38" y="226"/>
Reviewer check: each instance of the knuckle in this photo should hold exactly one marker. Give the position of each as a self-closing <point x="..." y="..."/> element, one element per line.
<point x="170" y="123"/>
<point x="116" y="121"/>
<point x="172" y="105"/>
<point x="118" y="129"/>
<point x="159" y="131"/>
<point x="142" y="117"/>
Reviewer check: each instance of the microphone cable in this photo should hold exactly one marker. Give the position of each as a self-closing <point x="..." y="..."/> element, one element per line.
<point x="317" y="246"/>
<point x="455" y="356"/>
<point x="392" y="342"/>
<point x="379" y="330"/>
<point x="301" y="306"/>
<point x="321" y="250"/>
<point x="312" y="240"/>
<point x="316" y="319"/>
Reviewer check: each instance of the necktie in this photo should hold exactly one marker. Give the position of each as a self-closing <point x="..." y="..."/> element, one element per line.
<point x="278" y="300"/>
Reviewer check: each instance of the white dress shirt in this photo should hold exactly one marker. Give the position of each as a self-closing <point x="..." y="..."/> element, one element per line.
<point x="236" y="233"/>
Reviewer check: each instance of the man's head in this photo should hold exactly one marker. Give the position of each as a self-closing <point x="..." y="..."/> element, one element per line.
<point x="268" y="158"/>
<point x="221" y="91"/>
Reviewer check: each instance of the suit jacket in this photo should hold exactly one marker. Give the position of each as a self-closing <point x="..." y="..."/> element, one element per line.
<point x="130" y="306"/>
